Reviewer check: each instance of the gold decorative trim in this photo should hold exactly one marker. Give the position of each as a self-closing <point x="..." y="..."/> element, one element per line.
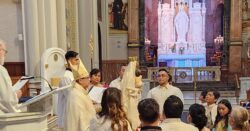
<point x="133" y="58"/>
<point x="134" y="45"/>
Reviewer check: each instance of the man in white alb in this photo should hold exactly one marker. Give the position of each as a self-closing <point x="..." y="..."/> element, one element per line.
<point x="117" y="82"/>
<point x="164" y="90"/>
<point x="8" y="97"/>
<point x="72" y="58"/>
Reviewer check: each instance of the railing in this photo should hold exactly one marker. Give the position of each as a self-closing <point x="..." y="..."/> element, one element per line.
<point x="188" y="74"/>
<point x="210" y="73"/>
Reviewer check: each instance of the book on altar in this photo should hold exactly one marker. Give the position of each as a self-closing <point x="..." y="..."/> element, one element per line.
<point x="95" y="93"/>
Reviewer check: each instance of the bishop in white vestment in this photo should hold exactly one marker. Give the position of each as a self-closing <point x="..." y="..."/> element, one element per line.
<point x="79" y="107"/>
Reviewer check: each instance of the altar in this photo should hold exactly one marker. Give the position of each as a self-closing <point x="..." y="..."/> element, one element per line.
<point x="181" y="33"/>
<point x="187" y="60"/>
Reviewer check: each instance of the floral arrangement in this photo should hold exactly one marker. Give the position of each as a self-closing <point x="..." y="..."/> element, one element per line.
<point x="181" y="50"/>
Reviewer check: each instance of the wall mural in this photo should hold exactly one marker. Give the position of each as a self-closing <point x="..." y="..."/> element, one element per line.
<point x="246" y="10"/>
<point x="118" y="15"/>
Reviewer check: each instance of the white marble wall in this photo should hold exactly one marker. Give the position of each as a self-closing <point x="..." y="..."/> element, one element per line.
<point x="45" y="27"/>
<point x="10" y="27"/>
<point x="244" y="85"/>
<point x="117" y="47"/>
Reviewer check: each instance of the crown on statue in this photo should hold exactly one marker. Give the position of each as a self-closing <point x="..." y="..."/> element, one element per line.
<point x="79" y="70"/>
<point x="133" y="58"/>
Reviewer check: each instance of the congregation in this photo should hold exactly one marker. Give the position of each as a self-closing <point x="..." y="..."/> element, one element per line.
<point x="121" y="107"/>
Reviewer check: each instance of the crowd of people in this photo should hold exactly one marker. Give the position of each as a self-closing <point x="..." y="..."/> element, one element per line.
<point x="121" y="107"/>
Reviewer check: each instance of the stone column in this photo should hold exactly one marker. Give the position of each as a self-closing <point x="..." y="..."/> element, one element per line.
<point x="41" y="26"/>
<point x="190" y="4"/>
<point x="133" y="28"/>
<point x="159" y="24"/>
<point x="61" y="24"/>
<point x="31" y="36"/>
<point x="88" y="27"/>
<point x="71" y="24"/>
<point x="47" y="24"/>
<point x="95" y="33"/>
<point x="235" y="47"/>
<point x="203" y="21"/>
<point x="40" y="31"/>
<point x="50" y="23"/>
<point x="172" y="4"/>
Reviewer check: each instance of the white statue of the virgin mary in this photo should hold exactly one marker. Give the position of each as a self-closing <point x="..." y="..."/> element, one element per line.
<point x="181" y="24"/>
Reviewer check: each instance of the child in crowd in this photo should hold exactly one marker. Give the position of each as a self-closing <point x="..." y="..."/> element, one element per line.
<point x="211" y="108"/>
<point x="221" y="122"/>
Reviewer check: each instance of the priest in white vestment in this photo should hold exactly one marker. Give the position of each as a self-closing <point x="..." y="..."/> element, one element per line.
<point x="79" y="107"/>
<point x="8" y="97"/>
<point x="72" y="58"/>
<point x="131" y="93"/>
<point x="117" y="82"/>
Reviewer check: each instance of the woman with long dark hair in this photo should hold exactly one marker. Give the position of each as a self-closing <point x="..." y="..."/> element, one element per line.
<point x="198" y="117"/>
<point x="112" y="116"/>
<point x="223" y="111"/>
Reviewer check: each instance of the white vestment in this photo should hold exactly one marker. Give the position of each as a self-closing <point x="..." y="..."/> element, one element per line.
<point x="160" y="94"/>
<point x="211" y="113"/>
<point x="8" y="98"/>
<point x="62" y="97"/>
<point x="116" y="83"/>
<point x="79" y="110"/>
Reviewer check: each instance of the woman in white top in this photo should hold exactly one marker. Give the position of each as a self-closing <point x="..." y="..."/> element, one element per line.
<point x="112" y="116"/>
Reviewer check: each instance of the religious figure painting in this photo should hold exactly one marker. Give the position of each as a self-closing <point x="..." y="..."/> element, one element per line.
<point x="118" y="15"/>
<point x="246" y="10"/>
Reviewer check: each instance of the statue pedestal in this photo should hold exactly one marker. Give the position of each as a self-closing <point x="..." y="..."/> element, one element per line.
<point x="23" y="122"/>
<point x="184" y="60"/>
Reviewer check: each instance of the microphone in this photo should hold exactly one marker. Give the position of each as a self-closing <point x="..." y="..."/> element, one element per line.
<point x="28" y="78"/>
<point x="33" y="77"/>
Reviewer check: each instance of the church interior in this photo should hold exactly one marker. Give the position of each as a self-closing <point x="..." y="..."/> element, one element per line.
<point x="203" y="44"/>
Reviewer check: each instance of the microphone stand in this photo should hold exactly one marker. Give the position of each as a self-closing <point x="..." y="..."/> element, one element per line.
<point x="42" y="78"/>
